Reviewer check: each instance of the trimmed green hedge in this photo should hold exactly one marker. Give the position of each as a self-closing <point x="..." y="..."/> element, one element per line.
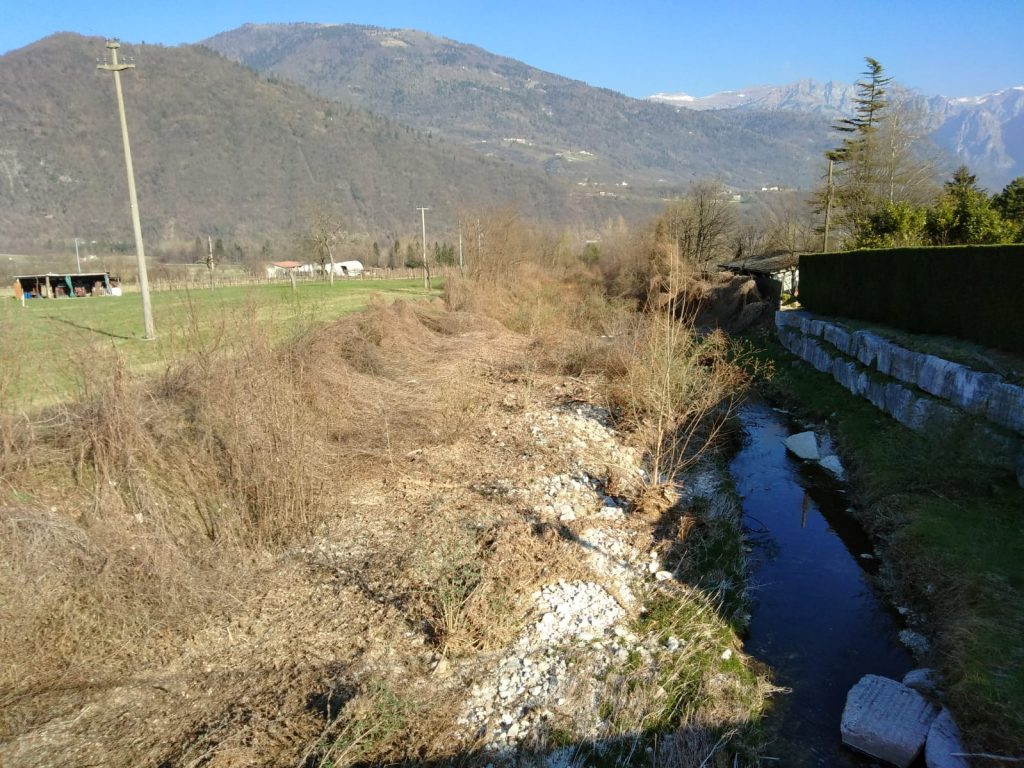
<point x="973" y="292"/>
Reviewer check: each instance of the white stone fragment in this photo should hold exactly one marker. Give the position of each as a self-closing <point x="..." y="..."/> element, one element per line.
<point x="886" y="720"/>
<point x="914" y="641"/>
<point x="804" y="445"/>
<point x="922" y="680"/>
<point x="943" y="747"/>
<point x="663" y="576"/>
<point x="833" y="466"/>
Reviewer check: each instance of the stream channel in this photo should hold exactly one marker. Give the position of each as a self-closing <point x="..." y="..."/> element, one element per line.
<point x="816" y="619"/>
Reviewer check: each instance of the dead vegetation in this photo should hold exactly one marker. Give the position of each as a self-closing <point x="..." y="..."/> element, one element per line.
<point x="295" y="554"/>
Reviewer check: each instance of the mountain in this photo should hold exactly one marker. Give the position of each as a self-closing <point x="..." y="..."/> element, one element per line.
<point x="507" y="109"/>
<point x="985" y="132"/>
<point x="219" y="150"/>
<point x="831" y="98"/>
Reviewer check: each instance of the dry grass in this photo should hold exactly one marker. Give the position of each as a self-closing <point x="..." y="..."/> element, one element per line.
<point x="261" y="554"/>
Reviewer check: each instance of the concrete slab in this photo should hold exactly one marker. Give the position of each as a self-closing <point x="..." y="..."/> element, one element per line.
<point x="887" y="720"/>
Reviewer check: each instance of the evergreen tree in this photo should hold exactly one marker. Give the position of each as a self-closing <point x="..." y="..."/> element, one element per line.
<point x="859" y="167"/>
<point x="1010" y="204"/>
<point x="964" y="214"/>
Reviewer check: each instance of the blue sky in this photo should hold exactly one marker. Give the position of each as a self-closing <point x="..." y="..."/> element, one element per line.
<point x="639" y="48"/>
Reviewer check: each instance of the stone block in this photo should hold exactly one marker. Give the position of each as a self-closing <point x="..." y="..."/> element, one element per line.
<point x="886" y="720"/>
<point x="1006" y="406"/>
<point x="804" y="445"/>
<point x="943" y="748"/>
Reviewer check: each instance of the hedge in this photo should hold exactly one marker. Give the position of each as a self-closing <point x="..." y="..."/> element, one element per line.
<point x="973" y="292"/>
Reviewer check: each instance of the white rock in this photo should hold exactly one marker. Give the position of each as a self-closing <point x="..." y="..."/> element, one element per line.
<point x="663" y="576"/>
<point x="833" y="466"/>
<point x="922" y="680"/>
<point x="915" y="641"/>
<point x="943" y="744"/>
<point x="804" y="445"/>
<point x="886" y="720"/>
<point x="727" y="654"/>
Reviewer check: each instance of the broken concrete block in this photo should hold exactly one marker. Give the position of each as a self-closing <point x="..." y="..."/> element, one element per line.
<point x="943" y="747"/>
<point x="804" y="445"/>
<point x="886" y="720"/>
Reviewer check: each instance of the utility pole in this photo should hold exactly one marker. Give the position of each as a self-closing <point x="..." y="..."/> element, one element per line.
<point x="78" y="261"/>
<point x="117" y="67"/>
<point x="828" y="206"/>
<point x="460" y="247"/>
<point x="426" y="270"/>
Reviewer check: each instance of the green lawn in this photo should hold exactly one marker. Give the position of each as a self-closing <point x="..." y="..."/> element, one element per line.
<point x="955" y="533"/>
<point x="43" y="344"/>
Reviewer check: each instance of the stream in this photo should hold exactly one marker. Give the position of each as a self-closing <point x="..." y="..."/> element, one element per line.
<point x="816" y="619"/>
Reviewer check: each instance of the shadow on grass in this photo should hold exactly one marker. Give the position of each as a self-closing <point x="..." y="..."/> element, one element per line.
<point x="89" y="328"/>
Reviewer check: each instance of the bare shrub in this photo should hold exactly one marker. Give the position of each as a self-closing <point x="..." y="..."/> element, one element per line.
<point x="182" y="483"/>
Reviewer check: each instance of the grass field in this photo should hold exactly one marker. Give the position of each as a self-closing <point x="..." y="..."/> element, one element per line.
<point x="45" y="344"/>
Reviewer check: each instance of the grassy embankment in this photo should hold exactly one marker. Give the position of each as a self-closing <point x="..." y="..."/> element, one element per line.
<point x="47" y="343"/>
<point x="953" y="531"/>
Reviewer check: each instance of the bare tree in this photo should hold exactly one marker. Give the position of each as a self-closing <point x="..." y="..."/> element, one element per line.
<point x="698" y="226"/>
<point x="790" y="226"/>
<point x="910" y="166"/>
<point x="326" y="228"/>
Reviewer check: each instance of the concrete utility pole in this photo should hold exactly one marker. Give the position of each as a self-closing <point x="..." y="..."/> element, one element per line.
<point x="78" y="261"/>
<point x="116" y="67"/>
<point x="460" y="247"/>
<point x="426" y="270"/>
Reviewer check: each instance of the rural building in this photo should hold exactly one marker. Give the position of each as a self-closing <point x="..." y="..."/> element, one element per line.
<point x="281" y="268"/>
<point x="56" y="285"/>
<point x="780" y="267"/>
<point x="347" y="268"/>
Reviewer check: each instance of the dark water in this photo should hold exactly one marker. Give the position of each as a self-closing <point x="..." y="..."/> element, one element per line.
<point x="815" y="617"/>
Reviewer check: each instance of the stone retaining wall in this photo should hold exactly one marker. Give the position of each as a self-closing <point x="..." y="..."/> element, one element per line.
<point x="916" y="389"/>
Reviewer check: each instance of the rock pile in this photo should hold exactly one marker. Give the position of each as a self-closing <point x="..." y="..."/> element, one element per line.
<point x="578" y="629"/>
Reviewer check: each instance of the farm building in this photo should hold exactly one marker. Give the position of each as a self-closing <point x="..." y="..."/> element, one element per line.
<point x="56" y="285"/>
<point x="780" y="267"/>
